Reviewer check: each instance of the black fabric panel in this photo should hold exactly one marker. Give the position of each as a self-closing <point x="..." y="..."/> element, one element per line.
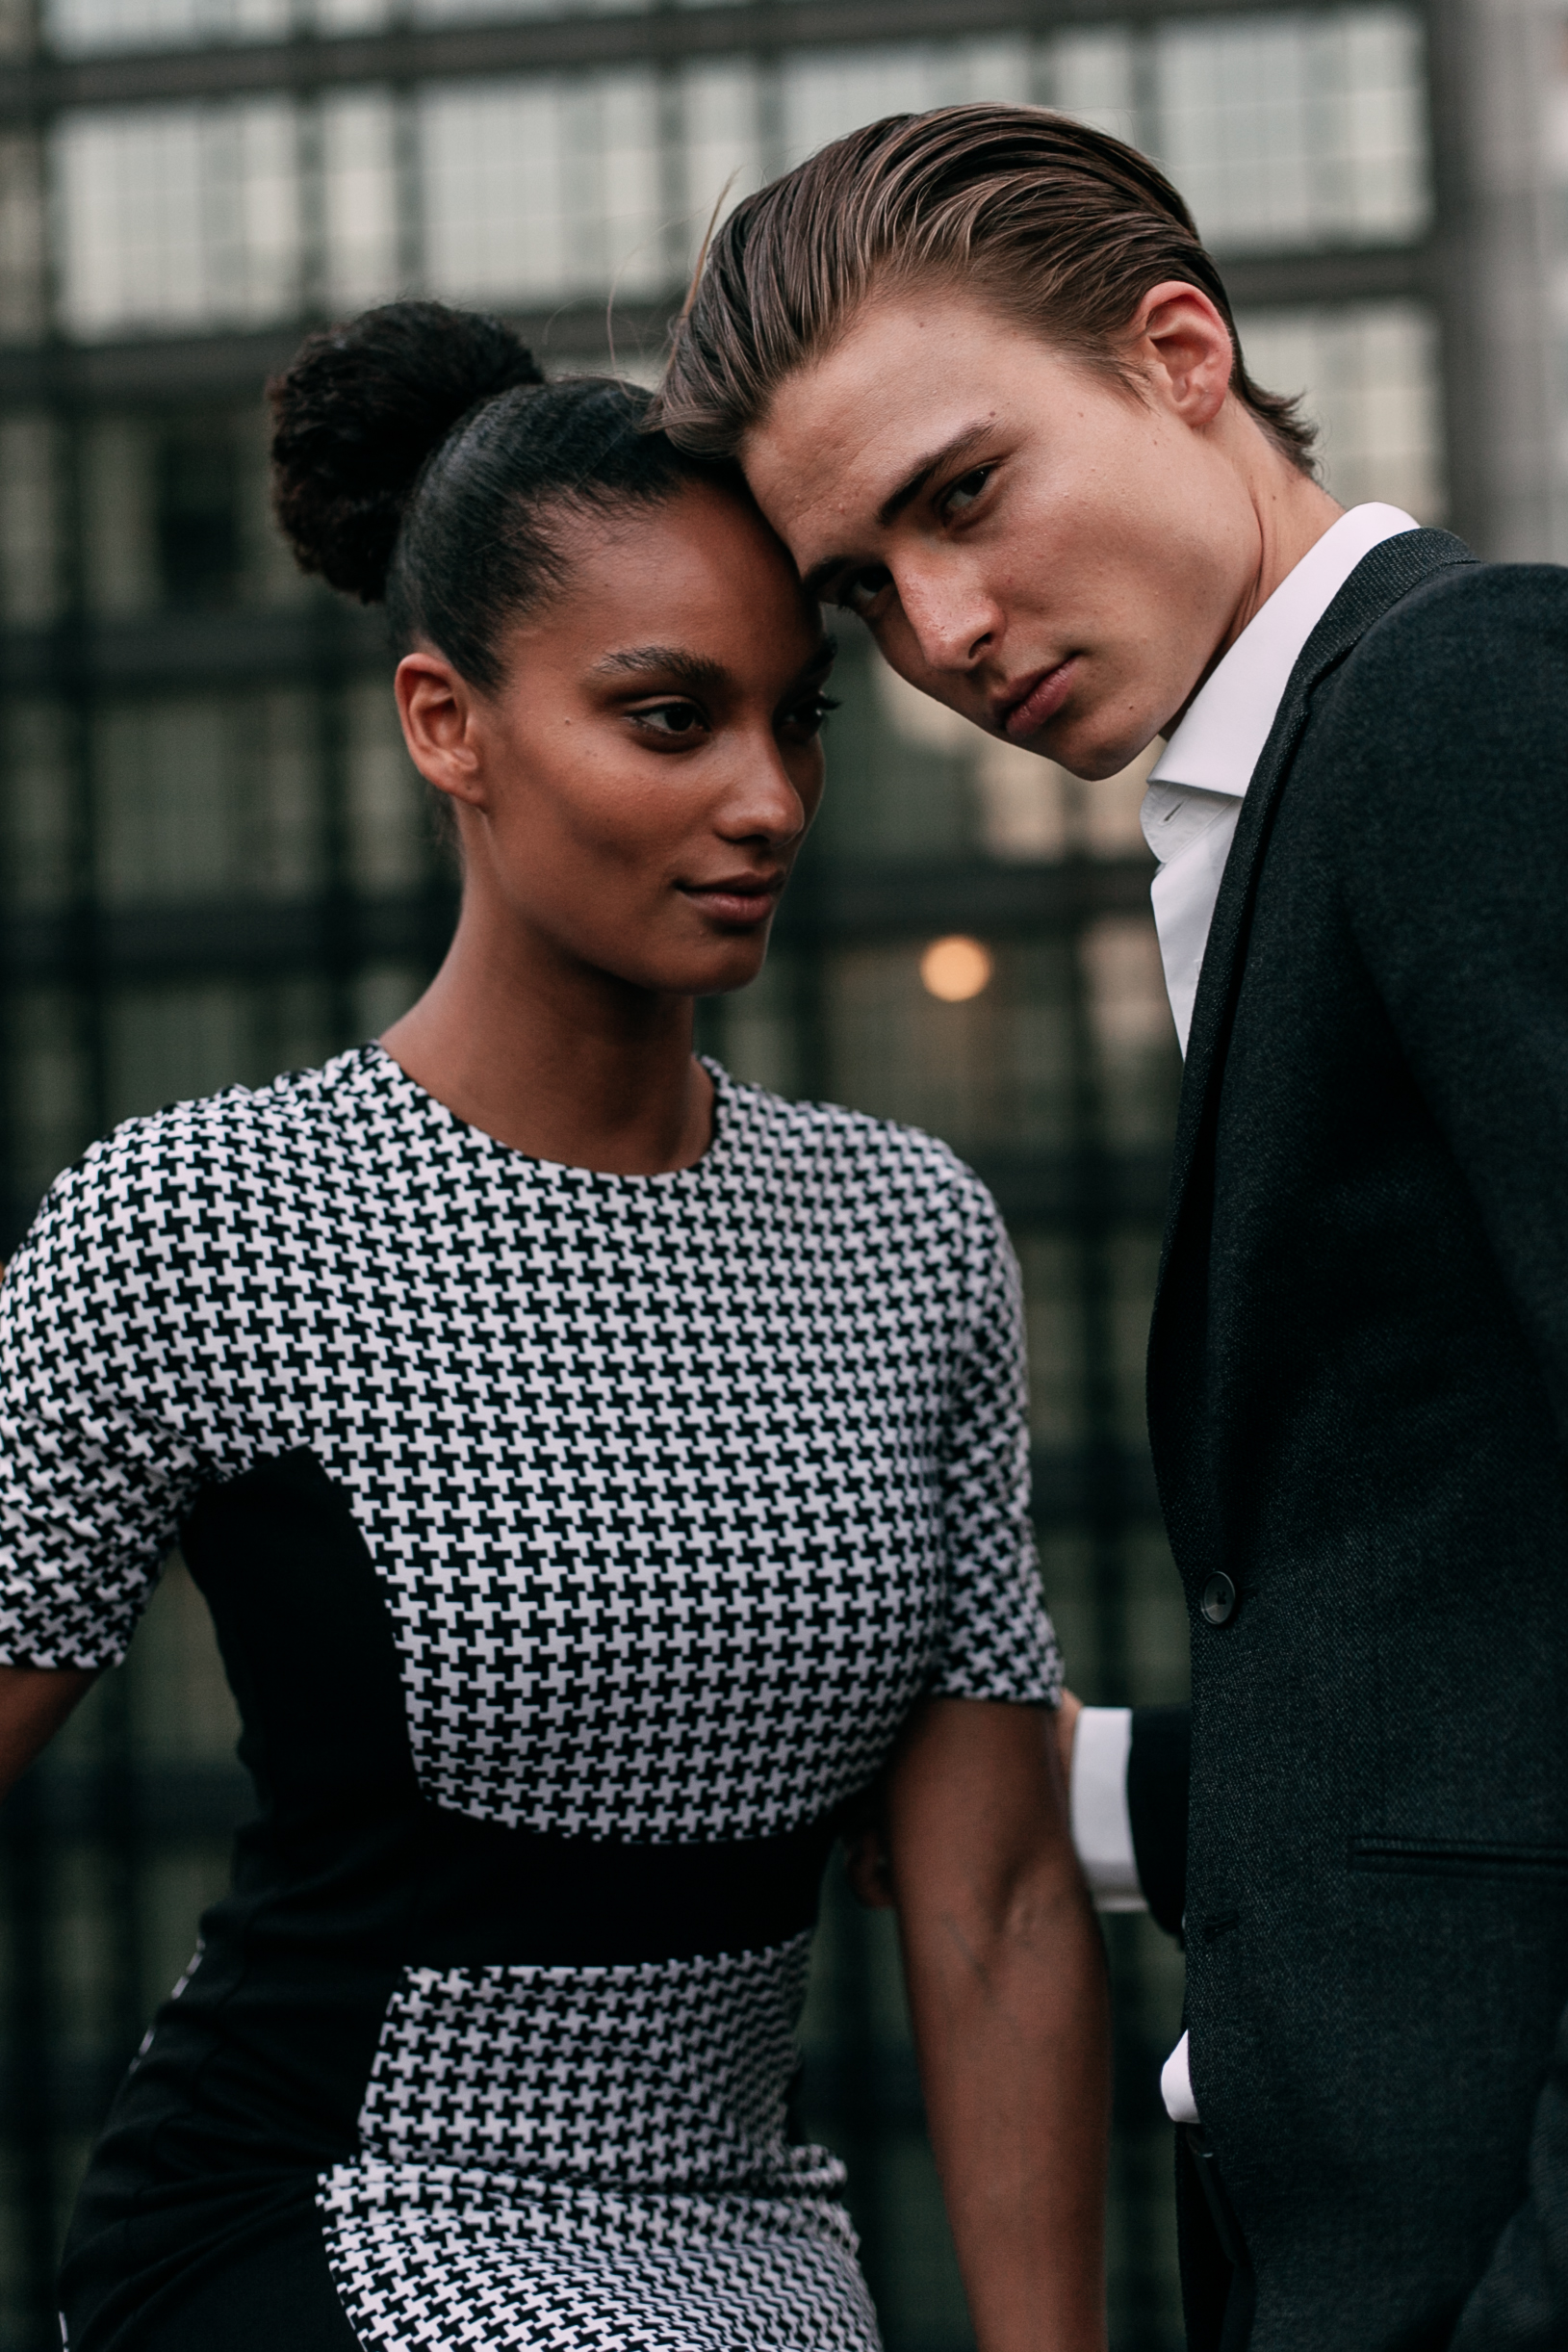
<point x="347" y="1850"/>
<point x="253" y="2078"/>
<point x="236" y="2265"/>
<point x="306" y="1637"/>
<point x="516" y="1898"/>
<point x="1157" y="1777"/>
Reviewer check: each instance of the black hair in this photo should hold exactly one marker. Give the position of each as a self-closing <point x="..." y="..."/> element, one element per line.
<point x="420" y="460"/>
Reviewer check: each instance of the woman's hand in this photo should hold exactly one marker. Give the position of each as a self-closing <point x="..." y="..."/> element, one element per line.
<point x="34" y="1702"/>
<point x="1007" y="1986"/>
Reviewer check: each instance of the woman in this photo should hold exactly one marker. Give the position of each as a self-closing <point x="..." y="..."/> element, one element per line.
<point x="598" y="1471"/>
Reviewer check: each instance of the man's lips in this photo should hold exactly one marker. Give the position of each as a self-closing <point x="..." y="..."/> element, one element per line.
<point x="738" y="898"/>
<point x="1023" y="710"/>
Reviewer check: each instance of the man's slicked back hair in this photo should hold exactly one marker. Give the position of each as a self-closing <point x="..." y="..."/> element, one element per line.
<point x="1058" y="226"/>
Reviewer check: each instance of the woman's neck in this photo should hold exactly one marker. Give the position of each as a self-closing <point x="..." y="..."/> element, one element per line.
<point x="564" y="1064"/>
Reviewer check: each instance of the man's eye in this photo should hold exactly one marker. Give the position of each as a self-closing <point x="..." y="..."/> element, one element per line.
<point x="671" y="718"/>
<point x="860" y="593"/>
<point x="966" y="490"/>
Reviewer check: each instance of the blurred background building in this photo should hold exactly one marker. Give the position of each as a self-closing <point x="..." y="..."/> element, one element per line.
<point x="215" y="861"/>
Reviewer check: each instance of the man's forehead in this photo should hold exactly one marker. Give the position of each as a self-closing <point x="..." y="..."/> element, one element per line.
<point x="840" y="445"/>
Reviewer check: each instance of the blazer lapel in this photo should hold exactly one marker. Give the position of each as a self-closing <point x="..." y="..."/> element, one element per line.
<point x="1378" y="583"/>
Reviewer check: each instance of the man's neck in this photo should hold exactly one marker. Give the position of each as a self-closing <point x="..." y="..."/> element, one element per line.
<point x="1293" y="513"/>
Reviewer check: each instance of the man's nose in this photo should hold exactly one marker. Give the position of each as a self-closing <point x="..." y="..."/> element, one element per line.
<point x="953" y="624"/>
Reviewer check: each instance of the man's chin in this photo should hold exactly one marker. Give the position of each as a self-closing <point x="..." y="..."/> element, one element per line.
<point x="1086" y="754"/>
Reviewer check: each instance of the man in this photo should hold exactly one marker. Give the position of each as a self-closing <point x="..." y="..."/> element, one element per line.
<point x="983" y="379"/>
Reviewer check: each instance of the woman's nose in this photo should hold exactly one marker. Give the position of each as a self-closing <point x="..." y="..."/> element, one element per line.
<point x="764" y="802"/>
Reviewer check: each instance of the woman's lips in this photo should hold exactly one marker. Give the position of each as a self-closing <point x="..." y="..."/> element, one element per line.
<point x="1028" y="713"/>
<point x="737" y="903"/>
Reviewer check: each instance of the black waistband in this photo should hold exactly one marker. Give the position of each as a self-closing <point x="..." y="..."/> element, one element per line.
<point x="509" y="1896"/>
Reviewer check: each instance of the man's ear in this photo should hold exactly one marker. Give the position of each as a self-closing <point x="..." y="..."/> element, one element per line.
<point x="1178" y="337"/>
<point x="436" y="707"/>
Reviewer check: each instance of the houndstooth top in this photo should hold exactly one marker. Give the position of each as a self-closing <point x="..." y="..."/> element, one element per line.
<point x="577" y="1544"/>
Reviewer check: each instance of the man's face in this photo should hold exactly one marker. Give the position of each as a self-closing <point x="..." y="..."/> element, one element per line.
<point x="1051" y="553"/>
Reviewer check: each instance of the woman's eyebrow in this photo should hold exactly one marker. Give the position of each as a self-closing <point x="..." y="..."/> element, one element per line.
<point x="698" y="671"/>
<point x="823" y="657"/>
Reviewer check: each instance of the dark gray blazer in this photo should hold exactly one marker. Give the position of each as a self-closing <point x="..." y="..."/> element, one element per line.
<point x="1358" y="1384"/>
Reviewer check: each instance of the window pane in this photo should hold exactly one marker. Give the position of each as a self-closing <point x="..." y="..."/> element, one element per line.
<point x="79" y="26"/>
<point x="1290" y="130"/>
<point x="722" y="152"/>
<point x="822" y="97"/>
<point x="206" y="797"/>
<point x="545" y="187"/>
<point x="178" y="217"/>
<point x="166" y="1045"/>
<point x="1091" y="75"/>
<point x="49" y="1109"/>
<point x="359" y="199"/>
<point x="37" y="838"/>
<point x="32" y="584"/>
<point x="1370" y="376"/>
<point x="22" y="238"/>
<point x="391" y="822"/>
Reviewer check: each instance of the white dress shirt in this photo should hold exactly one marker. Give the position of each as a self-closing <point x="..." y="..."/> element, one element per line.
<point x="1190" y="814"/>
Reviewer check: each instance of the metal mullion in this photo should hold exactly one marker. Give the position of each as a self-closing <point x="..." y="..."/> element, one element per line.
<point x="1462" y="368"/>
<point x="538" y="45"/>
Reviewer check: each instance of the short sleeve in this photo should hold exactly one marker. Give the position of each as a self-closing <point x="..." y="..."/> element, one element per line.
<point x="997" y="1640"/>
<point x="95" y="1467"/>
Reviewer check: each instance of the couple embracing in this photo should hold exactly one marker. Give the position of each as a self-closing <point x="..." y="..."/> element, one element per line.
<point x="604" y="1475"/>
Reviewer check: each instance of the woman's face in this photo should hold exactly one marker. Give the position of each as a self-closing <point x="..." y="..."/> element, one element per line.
<point x="630" y="801"/>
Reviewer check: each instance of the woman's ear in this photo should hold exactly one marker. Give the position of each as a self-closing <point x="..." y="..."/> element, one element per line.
<point x="438" y="713"/>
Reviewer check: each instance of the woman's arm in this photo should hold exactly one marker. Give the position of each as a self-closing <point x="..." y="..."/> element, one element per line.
<point x="34" y="1702"/>
<point x="1007" y="1986"/>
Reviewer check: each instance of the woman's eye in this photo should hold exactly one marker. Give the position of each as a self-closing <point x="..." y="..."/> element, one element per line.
<point x="860" y="593"/>
<point x="671" y="718"/>
<point x="809" y="717"/>
<point x="966" y="490"/>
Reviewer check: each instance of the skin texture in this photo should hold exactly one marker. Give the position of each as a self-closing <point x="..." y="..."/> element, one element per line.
<point x="658" y="731"/>
<point x="1007" y="1988"/>
<point x="1098" y="543"/>
<point x="598" y="794"/>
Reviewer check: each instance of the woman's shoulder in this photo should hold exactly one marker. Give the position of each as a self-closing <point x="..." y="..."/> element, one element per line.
<point x="828" y="1147"/>
<point x="159" y="1172"/>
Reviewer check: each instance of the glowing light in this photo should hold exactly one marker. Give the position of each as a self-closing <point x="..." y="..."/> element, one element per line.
<point x="955" y="969"/>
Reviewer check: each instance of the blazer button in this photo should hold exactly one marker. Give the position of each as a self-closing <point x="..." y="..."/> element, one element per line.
<point x="1219" y="1602"/>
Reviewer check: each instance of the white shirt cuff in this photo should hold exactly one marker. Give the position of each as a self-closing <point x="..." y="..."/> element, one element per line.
<point x="1177" y="2086"/>
<point x="1102" y="1824"/>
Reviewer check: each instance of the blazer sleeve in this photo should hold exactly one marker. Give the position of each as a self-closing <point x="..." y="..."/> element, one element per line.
<point x="1452" y="808"/>
<point x="1157" y="1780"/>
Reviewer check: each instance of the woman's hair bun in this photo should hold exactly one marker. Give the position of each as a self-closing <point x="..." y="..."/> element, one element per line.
<point x="357" y="413"/>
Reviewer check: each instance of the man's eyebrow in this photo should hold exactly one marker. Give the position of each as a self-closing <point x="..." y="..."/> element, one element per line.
<point x="910" y="488"/>
<point x="698" y="671"/>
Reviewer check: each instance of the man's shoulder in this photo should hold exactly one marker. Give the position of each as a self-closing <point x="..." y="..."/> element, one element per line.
<point x="1470" y="662"/>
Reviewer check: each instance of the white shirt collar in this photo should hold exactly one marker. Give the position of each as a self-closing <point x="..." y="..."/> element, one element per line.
<point x="1219" y="741"/>
<point x="1197" y="786"/>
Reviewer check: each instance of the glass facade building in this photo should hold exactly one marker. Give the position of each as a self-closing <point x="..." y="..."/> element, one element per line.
<point x="215" y="862"/>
